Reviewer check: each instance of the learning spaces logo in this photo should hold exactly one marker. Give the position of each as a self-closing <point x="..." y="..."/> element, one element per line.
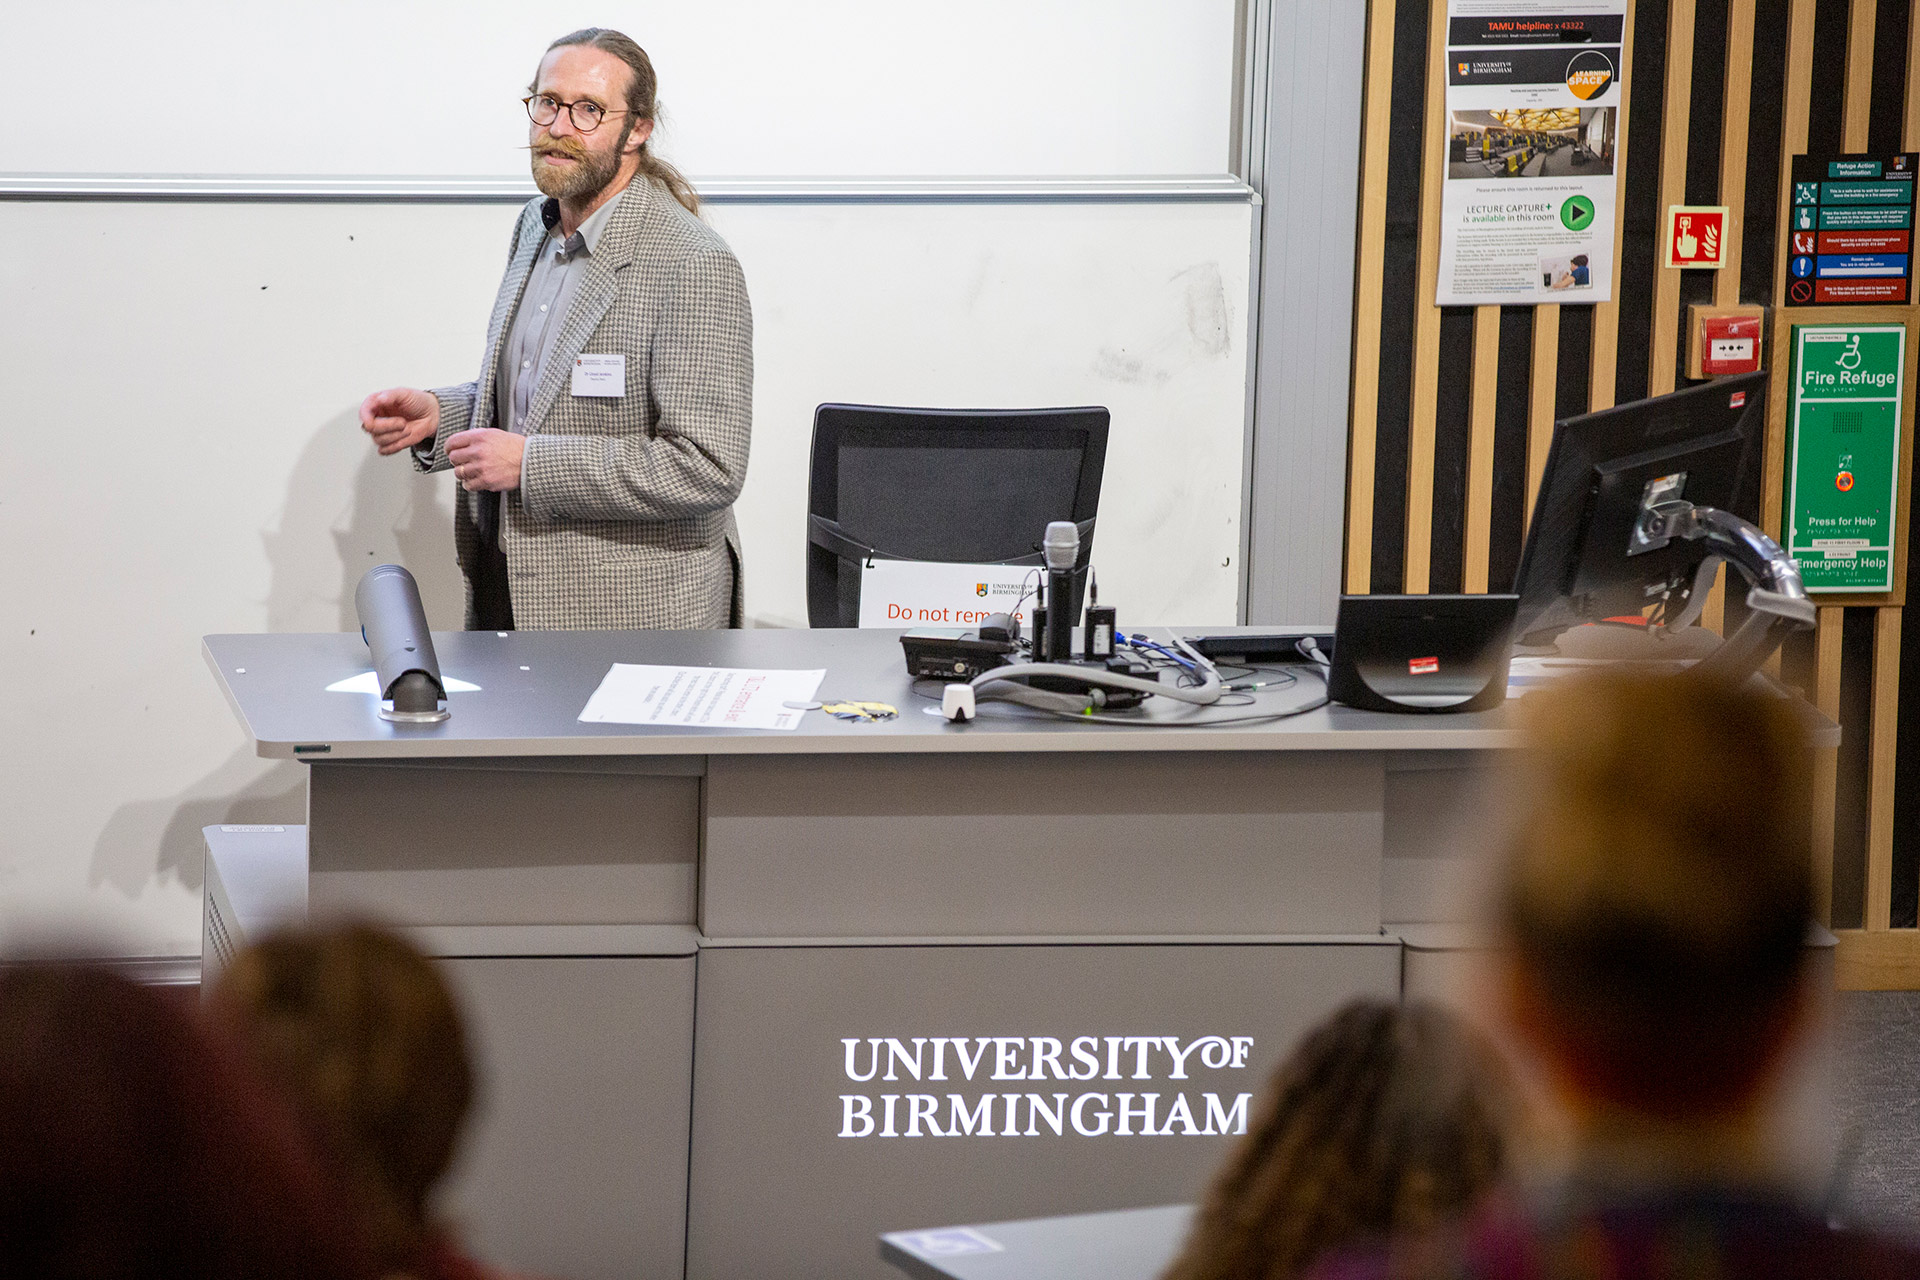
<point x="1589" y="72"/>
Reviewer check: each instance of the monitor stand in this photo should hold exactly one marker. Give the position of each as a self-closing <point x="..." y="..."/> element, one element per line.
<point x="1776" y="599"/>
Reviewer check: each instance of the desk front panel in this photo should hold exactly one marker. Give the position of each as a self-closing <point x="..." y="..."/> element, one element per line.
<point x="576" y="1161"/>
<point x="843" y="1091"/>
<point x="505" y="841"/>
<point x="1081" y="844"/>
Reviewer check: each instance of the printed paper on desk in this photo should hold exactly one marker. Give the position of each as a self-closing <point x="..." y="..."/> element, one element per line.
<point x="600" y="375"/>
<point x="919" y="593"/>
<point x="701" y="697"/>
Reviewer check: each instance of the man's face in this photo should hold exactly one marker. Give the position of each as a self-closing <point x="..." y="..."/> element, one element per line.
<point x="569" y="164"/>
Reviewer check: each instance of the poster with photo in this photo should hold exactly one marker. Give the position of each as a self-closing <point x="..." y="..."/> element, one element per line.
<point x="1533" y="126"/>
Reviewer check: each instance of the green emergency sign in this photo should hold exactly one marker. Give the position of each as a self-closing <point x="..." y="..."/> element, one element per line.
<point x="1844" y="453"/>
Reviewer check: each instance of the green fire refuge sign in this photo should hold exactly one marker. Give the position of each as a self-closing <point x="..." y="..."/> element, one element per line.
<point x="1844" y="453"/>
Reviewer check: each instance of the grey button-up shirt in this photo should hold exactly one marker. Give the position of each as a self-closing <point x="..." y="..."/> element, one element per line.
<point x="555" y="278"/>
<point x="556" y="275"/>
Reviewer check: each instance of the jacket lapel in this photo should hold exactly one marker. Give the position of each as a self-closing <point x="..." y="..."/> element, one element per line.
<point x="594" y="298"/>
<point x="533" y="236"/>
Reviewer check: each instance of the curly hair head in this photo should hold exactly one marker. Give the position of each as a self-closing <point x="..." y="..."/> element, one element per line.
<point x="1386" y="1119"/>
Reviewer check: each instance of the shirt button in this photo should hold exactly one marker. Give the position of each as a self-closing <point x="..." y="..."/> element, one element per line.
<point x="543" y="306"/>
<point x="526" y="364"/>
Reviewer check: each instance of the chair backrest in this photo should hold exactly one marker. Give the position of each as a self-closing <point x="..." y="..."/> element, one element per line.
<point x="974" y="486"/>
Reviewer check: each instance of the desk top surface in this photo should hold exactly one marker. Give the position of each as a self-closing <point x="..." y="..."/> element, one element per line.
<point x="534" y="684"/>
<point x="1130" y="1244"/>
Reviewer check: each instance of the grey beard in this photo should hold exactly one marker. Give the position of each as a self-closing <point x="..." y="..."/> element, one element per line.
<point x="589" y="176"/>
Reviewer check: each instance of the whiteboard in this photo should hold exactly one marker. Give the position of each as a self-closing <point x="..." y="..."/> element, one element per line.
<point x="1138" y="307"/>
<point x="185" y="457"/>
<point x="808" y="88"/>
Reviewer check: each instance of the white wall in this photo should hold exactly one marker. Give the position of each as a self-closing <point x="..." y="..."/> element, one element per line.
<point x="751" y="87"/>
<point x="181" y="456"/>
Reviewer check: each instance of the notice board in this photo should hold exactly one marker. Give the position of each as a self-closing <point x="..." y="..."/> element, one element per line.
<point x="1533" y="121"/>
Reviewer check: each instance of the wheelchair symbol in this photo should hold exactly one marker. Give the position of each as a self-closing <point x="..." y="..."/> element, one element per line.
<point x="1850" y="358"/>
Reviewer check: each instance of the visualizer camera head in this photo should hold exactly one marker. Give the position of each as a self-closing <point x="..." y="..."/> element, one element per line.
<point x="394" y="624"/>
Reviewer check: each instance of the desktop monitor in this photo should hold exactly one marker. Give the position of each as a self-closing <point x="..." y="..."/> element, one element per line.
<point x="1587" y="557"/>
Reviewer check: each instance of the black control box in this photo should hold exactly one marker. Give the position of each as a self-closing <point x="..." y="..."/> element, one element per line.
<point x="941" y="653"/>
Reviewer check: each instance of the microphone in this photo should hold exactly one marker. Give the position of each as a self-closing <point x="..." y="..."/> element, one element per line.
<point x="393" y="622"/>
<point x="1060" y="549"/>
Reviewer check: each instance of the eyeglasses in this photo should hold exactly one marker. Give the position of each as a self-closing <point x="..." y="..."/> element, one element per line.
<point x="586" y="116"/>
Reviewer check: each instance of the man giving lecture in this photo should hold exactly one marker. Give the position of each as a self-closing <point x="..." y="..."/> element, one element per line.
<point x="601" y="448"/>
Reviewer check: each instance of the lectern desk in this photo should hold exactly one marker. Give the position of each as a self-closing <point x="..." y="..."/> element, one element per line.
<point x="1021" y="967"/>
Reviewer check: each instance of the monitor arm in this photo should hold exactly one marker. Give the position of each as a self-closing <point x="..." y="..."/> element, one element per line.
<point x="1775" y="594"/>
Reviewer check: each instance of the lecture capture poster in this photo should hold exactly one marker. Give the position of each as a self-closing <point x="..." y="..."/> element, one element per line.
<point x="1533" y="128"/>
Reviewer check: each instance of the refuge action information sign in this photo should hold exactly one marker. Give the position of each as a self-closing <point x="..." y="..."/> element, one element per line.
<point x="1851" y="230"/>
<point x="1534" y="123"/>
<point x="1844" y="456"/>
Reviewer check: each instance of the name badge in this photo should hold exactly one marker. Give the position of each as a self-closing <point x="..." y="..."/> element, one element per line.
<point x="600" y="375"/>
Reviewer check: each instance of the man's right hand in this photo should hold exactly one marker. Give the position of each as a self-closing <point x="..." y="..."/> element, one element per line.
<point x="399" y="418"/>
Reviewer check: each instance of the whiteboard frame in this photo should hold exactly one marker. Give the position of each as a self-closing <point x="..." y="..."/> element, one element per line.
<point x="375" y="190"/>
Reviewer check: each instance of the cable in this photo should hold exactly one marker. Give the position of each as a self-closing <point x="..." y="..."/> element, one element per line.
<point x="1126" y="722"/>
<point x="1204" y="722"/>
<point x="1202" y="695"/>
<point x="1151" y="646"/>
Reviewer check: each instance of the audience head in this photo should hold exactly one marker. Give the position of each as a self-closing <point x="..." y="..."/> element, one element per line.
<point x="1656" y="891"/>
<point x="364" y="1036"/>
<point x="1386" y="1119"/>
<point x="134" y="1145"/>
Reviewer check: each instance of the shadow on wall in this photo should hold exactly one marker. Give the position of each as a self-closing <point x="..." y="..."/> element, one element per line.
<point x="366" y="510"/>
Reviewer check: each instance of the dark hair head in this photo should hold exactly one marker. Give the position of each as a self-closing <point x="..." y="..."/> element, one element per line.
<point x="1386" y="1119"/>
<point x="133" y="1145"/>
<point x="642" y="102"/>
<point x="364" y="1036"/>
<point x="1657" y="884"/>
<point x="1579" y="259"/>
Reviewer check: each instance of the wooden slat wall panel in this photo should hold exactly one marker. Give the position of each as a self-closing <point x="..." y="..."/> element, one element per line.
<point x="1733" y="146"/>
<point x="1426" y="325"/>
<point x="1479" y="516"/>
<point x="1603" y="364"/>
<point x="1543" y="410"/>
<point x="1826" y="696"/>
<point x="1371" y="266"/>
<point x="1661" y="354"/>
<point x="1881" y="755"/>
<point x="1641" y="217"/>
<point x="1443" y="473"/>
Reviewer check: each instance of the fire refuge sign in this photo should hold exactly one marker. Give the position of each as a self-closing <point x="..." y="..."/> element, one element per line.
<point x="1844" y="456"/>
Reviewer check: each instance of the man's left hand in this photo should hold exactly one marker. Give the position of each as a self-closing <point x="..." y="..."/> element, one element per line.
<point x="486" y="458"/>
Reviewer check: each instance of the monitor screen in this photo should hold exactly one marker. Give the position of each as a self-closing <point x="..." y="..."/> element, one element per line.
<point x="1583" y="561"/>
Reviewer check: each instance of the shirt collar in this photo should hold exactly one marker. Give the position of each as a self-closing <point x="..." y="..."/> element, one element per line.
<point x="588" y="235"/>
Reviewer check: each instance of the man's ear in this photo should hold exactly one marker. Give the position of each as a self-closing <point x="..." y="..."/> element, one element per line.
<point x="638" y="138"/>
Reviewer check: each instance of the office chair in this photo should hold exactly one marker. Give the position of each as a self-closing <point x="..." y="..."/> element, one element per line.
<point x="971" y="486"/>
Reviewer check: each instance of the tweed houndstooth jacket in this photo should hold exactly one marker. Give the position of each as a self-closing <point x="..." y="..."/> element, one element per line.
<point x="624" y="515"/>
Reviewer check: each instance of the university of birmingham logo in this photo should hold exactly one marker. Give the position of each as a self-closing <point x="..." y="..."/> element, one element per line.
<point x="977" y="1102"/>
<point x="979" y="588"/>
